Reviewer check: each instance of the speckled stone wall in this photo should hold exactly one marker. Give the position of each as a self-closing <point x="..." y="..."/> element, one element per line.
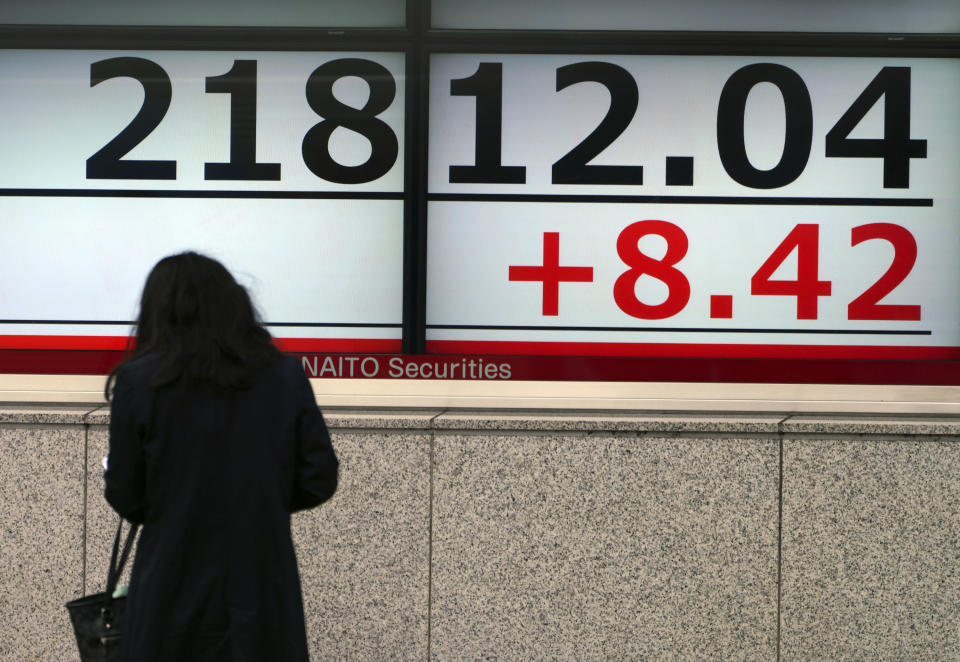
<point x="42" y="497"/>
<point x="364" y="555"/>
<point x="545" y="536"/>
<point x="871" y="540"/>
<point x="604" y="539"/>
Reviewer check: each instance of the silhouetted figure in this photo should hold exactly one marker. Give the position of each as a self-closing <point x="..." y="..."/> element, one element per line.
<point x="215" y="438"/>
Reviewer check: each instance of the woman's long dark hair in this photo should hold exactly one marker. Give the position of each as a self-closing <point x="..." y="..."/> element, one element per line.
<point x="200" y="326"/>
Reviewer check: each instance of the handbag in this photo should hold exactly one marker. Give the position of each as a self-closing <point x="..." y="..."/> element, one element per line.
<point x="98" y="619"/>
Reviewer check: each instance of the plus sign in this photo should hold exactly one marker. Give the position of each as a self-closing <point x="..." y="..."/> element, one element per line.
<point x="551" y="274"/>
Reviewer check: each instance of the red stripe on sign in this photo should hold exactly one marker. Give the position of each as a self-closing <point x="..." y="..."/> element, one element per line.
<point x="68" y="359"/>
<point x="57" y="362"/>
<point x="119" y="343"/>
<point x="109" y="343"/>
<point x="532" y="348"/>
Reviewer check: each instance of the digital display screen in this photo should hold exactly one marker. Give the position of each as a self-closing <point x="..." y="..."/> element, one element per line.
<point x="287" y="167"/>
<point x="694" y="206"/>
<point x="587" y="217"/>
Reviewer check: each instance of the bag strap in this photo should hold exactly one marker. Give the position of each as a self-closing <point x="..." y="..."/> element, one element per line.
<point x="113" y="574"/>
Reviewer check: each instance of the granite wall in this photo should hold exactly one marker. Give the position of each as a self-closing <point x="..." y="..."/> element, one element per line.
<point x="524" y="536"/>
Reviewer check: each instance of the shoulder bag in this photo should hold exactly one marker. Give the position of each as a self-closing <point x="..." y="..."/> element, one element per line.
<point x="98" y="619"/>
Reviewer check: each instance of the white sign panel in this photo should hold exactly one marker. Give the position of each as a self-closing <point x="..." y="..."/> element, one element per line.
<point x="930" y="16"/>
<point x="691" y="205"/>
<point x="288" y="167"/>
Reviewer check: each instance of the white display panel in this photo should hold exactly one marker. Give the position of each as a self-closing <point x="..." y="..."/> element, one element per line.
<point x="286" y="13"/>
<point x="219" y="160"/>
<point x="920" y="16"/>
<point x="775" y="247"/>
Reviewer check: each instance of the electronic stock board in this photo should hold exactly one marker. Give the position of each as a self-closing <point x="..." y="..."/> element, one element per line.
<point x="586" y="216"/>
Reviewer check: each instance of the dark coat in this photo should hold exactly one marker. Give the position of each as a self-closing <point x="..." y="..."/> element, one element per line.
<point x="213" y="478"/>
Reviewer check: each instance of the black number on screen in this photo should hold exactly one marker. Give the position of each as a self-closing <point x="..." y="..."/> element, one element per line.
<point x="487" y="86"/>
<point x="896" y="148"/>
<point x="241" y="84"/>
<point x="624" y="97"/>
<point x="797" y="137"/>
<point x="383" y="142"/>
<point x="108" y="163"/>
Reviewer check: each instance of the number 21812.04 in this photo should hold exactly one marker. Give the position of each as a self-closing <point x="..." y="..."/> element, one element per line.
<point x="807" y="287"/>
<point x="240" y="82"/>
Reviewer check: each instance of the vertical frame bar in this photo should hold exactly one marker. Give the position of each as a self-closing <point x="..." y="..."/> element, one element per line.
<point x="415" y="178"/>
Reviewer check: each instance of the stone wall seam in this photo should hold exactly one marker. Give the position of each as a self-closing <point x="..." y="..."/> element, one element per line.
<point x="86" y="499"/>
<point x="432" y="433"/>
<point x="86" y="492"/>
<point x="337" y="430"/>
<point x="780" y="434"/>
<point x="918" y="438"/>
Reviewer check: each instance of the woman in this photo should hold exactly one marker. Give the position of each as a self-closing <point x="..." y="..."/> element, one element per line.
<point x="215" y="438"/>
